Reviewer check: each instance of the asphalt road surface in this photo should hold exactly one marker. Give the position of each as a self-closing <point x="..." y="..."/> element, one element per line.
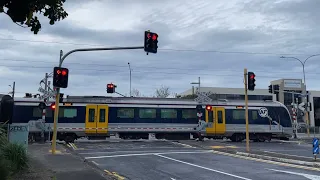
<point x="294" y="148"/>
<point x="161" y="160"/>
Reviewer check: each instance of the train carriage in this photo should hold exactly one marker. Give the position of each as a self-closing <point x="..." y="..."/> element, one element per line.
<point x="169" y="118"/>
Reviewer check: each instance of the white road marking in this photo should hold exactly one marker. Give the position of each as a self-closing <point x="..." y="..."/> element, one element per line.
<point x="309" y="176"/>
<point x="110" y="152"/>
<point x="146" y="154"/>
<point x="186" y="145"/>
<point x="95" y="163"/>
<point x="172" y="178"/>
<point x="289" y="154"/>
<point x="217" y="171"/>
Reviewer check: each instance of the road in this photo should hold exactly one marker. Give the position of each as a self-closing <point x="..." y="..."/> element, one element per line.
<point x="293" y="148"/>
<point x="161" y="160"/>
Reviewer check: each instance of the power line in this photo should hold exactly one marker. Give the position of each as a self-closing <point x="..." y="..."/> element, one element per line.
<point x="144" y="67"/>
<point x="155" y="72"/>
<point x="164" y="49"/>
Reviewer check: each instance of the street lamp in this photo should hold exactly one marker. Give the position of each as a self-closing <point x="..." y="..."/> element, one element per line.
<point x="130" y="76"/>
<point x="304" y="81"/>
<point x="197" y="83"/>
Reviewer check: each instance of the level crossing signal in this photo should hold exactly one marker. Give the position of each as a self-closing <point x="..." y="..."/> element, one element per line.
<point x="150" y="42"/>
<point x="251" y="81"/>
<point x="111" y="88"/>
<point x="60" y="77"/>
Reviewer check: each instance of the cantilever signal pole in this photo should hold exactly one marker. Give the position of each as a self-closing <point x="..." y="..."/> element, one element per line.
<point x="246" y="102"/>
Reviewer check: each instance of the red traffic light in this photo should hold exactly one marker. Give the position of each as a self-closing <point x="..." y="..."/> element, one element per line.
<point x="208" y="107"/>
<point x="252" y="76"/>
<point x="53" y="106"/>
<point x="64" y="72"/>
<point x="110" y="85"/>
<point x="154" y="36"/>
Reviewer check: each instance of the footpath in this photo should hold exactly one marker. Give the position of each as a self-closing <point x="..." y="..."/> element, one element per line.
<point x="61" y="166"/>
<point x="259" y="154"/>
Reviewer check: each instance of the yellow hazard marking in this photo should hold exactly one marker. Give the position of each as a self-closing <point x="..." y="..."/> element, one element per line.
<point x="115" y="175"/>
<point x="268" y="161"/>
<point x="221" y="147"/>
<point x="57" y="151"/>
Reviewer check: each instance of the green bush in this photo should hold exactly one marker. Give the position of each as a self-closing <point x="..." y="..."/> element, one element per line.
<point x="16" y="153"/>
<point x="5" y="167"/>
<point x="13" y="157"/>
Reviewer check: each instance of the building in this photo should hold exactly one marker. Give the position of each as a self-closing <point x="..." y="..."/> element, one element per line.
<point x="285" y="91"/>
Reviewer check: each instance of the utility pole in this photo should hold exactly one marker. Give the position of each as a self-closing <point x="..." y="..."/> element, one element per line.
<point x="130" y="77"/>
<point x="198" y="84"/>
<point x="13" y="89"/>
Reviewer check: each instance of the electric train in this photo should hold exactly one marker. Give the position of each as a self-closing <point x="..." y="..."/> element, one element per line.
<point x="96" y="117"/>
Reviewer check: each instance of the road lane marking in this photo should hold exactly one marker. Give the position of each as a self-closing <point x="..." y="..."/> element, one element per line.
<point x="182" y="144"/>
<point x="267" y="161"/>
<point x="309" y="176"/>
<point x="209" y="169"/>
<point x="110" y="152"/>
<point x="222" y="147"/>
<point x="95" y="163"/>
<point x="147" y="154"/>
<point x="115" y="175"/>
<point x="289" y="155"/>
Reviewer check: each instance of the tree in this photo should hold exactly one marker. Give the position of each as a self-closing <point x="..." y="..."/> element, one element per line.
<point x="136" y="93"/>
<point x="163" y="92"/>
<point x="24" y="12"/>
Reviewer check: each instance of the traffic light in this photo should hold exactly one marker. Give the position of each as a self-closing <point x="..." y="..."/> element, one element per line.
<point x="251" y="81"/>
<point x="150" y="42"/>
<point x="60" y="77"/>
<point x="53" y="106"/>
<point x="270" y="89"/>
<point x="276" y="89"/>
<point x="110" y="88"/>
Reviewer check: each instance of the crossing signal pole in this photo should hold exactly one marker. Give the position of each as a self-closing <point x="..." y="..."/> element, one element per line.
<point x="246" y="85"/>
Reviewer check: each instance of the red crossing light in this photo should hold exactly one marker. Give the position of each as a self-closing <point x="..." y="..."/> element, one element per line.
<point x="208" y="107"/>
<point x="53" y="106"/>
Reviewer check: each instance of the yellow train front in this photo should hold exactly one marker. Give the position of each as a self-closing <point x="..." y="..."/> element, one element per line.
<point x="165" y="118"/>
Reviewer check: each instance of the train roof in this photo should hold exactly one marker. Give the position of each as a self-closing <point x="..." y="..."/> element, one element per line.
<point x="149" y="100"/>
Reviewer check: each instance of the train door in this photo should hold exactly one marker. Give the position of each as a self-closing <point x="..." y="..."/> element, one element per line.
<point x="97" y="119"/>
<point x="220" y="123"/>
<point x="216" y="120"/>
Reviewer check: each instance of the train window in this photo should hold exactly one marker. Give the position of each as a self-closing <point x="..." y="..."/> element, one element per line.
<point x="189" y="113"/>
<point x="147" y="113"/>
<point x="238" y="114"/>
<point x="169" y="113"/>
<point x="69" y="113"/>
<point x="125" y="113"/>
<point x="220" y="118"/>
<point x="211" y="116"/>
<point x="91" y="115"/>
<point x="37" y="113"/>
<point x="254" y="115"/>
<point x="102" y="115"/>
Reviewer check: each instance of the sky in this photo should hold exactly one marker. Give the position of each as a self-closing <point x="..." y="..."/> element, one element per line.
<point x="213" y="40"/>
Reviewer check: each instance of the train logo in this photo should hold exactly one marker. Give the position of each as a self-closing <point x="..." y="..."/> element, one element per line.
<point x="263" y="112"/>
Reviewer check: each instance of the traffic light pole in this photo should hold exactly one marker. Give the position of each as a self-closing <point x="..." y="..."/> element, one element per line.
<point x="62" y="58"/>
<point x="246" y="102"/>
